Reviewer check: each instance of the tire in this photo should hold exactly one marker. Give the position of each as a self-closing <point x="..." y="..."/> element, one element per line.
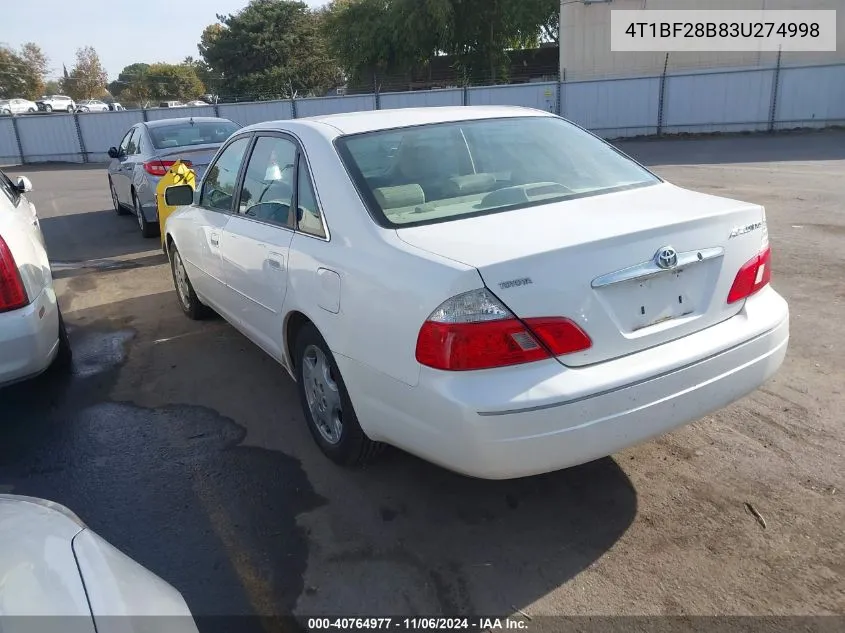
<point x="64" y="358"/>
<point x="70" y="110"/>
<point x="189" y="302"/>
<point x="148" y="229"/>
<point x="118" y="208"/>
<point x="319" y="383"/>
<point x="31" y="110"/>
<point x="48" y="108"/>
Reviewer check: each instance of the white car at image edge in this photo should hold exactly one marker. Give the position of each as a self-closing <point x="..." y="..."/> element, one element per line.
<point x="32" y="333"/>
<point x="493" y="289"/>
<point x="52" y="564"/>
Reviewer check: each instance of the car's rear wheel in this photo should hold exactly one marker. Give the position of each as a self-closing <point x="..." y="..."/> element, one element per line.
<point x="118" y="208"/>
<point x="148" y="229"/>
<point x="31" y="110"/>
<point x="326" y="404"/>
<point x="70" y="109"/>
<point x="48" y="108"/>
<point x="188" y="300"/>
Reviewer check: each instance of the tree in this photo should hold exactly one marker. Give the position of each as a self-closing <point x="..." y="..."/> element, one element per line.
<point x="396" y="35"/>
<point x="22" y="73"/>
<point x="270" y="49"/>
<point x="173" y="81"/>
<point x="87" y="79"/>
<point x="52" y="86"/>
<point x="142" y="83"/>
<point x="37" y="66"/>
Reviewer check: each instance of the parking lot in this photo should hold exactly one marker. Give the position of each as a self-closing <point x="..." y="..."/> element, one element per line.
<point x="183" y="444"/>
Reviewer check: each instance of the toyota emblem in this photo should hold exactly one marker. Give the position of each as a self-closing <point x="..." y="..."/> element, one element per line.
<point x="666" y="257"/>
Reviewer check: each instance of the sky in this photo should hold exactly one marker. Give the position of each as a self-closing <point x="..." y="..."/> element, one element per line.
<point x="122" y="31"/>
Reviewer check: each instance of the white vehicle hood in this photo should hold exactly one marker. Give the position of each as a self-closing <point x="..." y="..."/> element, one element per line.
<point x="51" y="564"/>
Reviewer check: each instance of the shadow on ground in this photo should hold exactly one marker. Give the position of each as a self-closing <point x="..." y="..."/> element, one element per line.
<point x="238" y="528"/>
<point x="94" y="235"/>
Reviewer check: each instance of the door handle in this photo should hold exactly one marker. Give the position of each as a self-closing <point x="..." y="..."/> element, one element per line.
<point x="215" y="239"/>
<point x="275" y="260"/>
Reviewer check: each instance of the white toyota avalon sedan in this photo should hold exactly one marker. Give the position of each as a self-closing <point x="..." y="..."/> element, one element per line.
<point x="493" y="289"/>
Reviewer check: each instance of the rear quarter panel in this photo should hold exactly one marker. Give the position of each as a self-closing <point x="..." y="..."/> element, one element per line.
<point x="387" y="288"/>
<point x="23" y="236"/>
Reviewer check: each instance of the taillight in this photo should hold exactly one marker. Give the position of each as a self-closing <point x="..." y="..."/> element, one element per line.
<point x="475" y="330"/>
<point x="12" y="291"/>
<point x="753" y="276"/>
<point x="161" y="167"/>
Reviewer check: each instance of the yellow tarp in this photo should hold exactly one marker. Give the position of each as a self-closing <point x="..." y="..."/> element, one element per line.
<point x="179" y="174"/>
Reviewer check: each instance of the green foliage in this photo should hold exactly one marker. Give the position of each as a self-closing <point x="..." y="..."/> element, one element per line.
<point x="396" y="35"/>
<point x="145" y="83"/>
<point x="270" y="49"/>
<point x="22" y="73"/>
<point x="87" y="79"/>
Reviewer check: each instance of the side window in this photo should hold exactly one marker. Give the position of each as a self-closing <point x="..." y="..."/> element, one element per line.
<point x="132" y="146"/>
<point x="309" y="218"/>
<point x="218" y="187"/>
<point x="267" y="193"/>
<point x="124" y="144"/>
<point x="9" y="189"/>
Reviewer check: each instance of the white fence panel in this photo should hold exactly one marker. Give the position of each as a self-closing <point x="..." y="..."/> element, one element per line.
<point x="102" y="130"/>
<point x="333" y="105"/>
<point x="541" y="96"/>
<point x="156" y="114"/>
<point x="257" y="112"/>
<point x="613" y="109"/>
<point x="9" y="152"/>
<point x="809" y="96"/>
<point x="422" y="98"/>
<point x="736" y="101"/>
<point x="49" y="137"/>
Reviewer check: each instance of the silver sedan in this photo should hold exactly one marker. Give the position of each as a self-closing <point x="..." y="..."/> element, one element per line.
<point x="147" y="152"/>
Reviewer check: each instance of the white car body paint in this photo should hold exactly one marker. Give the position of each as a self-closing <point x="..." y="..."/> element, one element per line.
<point x="649" y="370"/>
<point x="51" y="564"/>
<point x="29" y="336"/>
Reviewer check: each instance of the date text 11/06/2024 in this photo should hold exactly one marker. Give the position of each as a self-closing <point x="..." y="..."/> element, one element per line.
<point x="418" y="624"/>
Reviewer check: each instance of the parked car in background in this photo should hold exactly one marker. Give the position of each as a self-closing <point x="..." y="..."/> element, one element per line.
<point x="148" y="150"/>
<point x="32" y="333"/>
<point x="116" y="107"/>
<point x="493" y="289"/>
<point x="52" y="564"/>
<point x="17" y="106"/>
<point x="56" y="103"/>
<point x="196" y="103"/>
<point x="171" y="104"/>
<point x="92" y="105"/>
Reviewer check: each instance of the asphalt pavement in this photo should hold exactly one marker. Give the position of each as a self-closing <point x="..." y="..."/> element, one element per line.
<point x="182" y="444"/>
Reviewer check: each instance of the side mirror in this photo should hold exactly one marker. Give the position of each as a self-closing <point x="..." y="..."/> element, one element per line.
<point x="179" y="195"/>
<point x="24" y="185"/>
<point x="114" y="152"/>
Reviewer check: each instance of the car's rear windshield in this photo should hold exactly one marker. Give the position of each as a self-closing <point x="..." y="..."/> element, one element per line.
<point x="445" y="171"/>
<point x="187" y="133"/>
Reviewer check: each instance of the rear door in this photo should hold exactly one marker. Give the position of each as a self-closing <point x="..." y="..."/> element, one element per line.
<point x="257" y="239"/>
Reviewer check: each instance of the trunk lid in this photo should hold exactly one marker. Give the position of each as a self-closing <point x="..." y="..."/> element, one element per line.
<point x="595" y="261"/>
<point x="199" y="155"/>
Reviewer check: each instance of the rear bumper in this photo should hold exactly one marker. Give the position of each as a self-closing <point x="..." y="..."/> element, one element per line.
<point x="29" y="338"/>
<point x="541" y="417"/>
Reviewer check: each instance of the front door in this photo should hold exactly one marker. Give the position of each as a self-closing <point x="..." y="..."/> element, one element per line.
<point x="213" y="211"/>
<point x="257" y="239"/>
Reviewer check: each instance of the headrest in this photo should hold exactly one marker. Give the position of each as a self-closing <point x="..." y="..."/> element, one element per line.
<point x="401" y="196"/>
<point x="473" y="183"/>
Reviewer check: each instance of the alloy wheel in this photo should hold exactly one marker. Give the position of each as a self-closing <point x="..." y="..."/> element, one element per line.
<point x="322" y="394"/>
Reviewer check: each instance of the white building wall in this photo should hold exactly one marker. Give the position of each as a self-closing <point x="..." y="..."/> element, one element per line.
<point x="585" y="39"/>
